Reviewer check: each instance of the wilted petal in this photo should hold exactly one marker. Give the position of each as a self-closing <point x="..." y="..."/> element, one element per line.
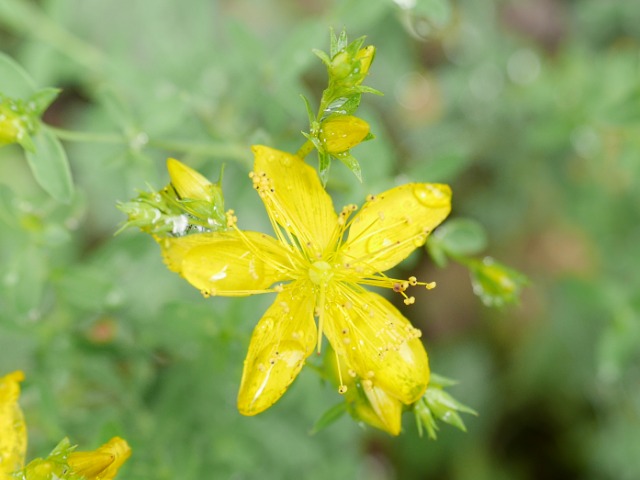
<point x="294" y="197"/>
<point x="13" y="432"/>
<point x="393" y="224"/>
<point x="282" y="340"/>
<point x="229" y="263"/>
<point x="377" y="343"/>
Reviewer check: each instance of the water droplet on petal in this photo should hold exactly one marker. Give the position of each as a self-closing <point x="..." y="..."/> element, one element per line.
<point x="266" y="325"/>
<point x="377" y="243"/>
<point x="431" y="196"/>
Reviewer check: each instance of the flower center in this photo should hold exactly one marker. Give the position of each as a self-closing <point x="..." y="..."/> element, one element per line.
<point x="320" y="272"/>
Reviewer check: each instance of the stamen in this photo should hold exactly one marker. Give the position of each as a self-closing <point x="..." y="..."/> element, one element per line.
<point x="342" y="389"/>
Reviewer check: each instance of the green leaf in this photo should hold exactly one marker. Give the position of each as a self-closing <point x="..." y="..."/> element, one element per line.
<point x="14" y="81"/>
<point x="50" y="166"/>
<point x="329" y="417"/>
<point x="461" y="237"/>
<point x="437" y="253"/>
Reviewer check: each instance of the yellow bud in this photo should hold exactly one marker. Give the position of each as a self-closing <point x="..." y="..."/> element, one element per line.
<point x="340" y="133"/>
<point x="13" y="125"/>
<point x="102" y="463"/>
<point x="365" y="55"/>
<point x="189" y="183"/>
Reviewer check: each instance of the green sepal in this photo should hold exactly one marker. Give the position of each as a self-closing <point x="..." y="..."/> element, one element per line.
<point x="324" y="164"/>
<point x="42" y="99"/>
<point x="438" y="405"/>
<point x="351" y="163"/>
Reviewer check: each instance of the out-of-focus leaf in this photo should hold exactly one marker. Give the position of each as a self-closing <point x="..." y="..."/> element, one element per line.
<point x="460" y="237"/>
<point x="494" y="283"/>
<point x="50" y="166"/>
<point x="329" y="417"/>
<point x="14" y="81"/>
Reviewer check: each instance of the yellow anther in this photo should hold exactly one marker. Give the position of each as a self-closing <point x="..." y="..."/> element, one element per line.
<point x="410" y="300"/>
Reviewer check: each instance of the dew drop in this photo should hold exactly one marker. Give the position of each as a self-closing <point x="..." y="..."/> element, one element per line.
<point x="420" y="239"/>
<point x="431" y="196"/>
<point x="377" y="243"/>
<point x="266" y="325"/>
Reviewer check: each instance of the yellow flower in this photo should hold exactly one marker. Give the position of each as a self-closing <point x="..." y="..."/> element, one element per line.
<point x="102" y="463"/>
<point x="13" y="433"/>
<point x="317" y="264"/>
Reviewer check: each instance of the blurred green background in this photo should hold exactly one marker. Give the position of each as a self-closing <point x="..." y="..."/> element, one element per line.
<point x="529" y="109"/>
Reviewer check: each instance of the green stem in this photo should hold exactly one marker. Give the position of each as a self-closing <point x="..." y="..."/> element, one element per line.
<point x="231" y="151"/>
<point x="305" y="149"/>
<point x="87" y="137"/>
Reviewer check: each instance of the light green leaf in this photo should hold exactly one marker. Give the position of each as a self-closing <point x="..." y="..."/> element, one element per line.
<point x="461" y="237"/>
<point x="50" y="166"/>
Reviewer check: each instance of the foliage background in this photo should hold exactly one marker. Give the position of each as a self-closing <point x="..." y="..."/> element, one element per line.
<point x="529" y="109"/>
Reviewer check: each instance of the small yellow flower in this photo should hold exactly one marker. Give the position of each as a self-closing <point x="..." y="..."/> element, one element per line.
<point x="13" y="432"/>
<point x="102" y="463"/>
<point x="318" y="264"/>
<point x="342" y="132"/>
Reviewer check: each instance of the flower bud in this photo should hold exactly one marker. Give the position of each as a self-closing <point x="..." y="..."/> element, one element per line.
<point x="15" y="125"/>
<point x="340" y="133"/>
<point x="189" y="183"/>
<point x="494" y="283"/>
<point x="350" y="69"/>
<point x="102" y="463"/>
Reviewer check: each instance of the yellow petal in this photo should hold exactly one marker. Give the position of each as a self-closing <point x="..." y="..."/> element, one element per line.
<point x="13" y="432"/>
<point x="282" y="340"/>
<point x="377" y="342"/>
<point x="294" y="198"/>
<point x="393" y="224"/>
<point x="229" y="263"/>
<point x="102" y="463"/>
<point x="387" y="409"/>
